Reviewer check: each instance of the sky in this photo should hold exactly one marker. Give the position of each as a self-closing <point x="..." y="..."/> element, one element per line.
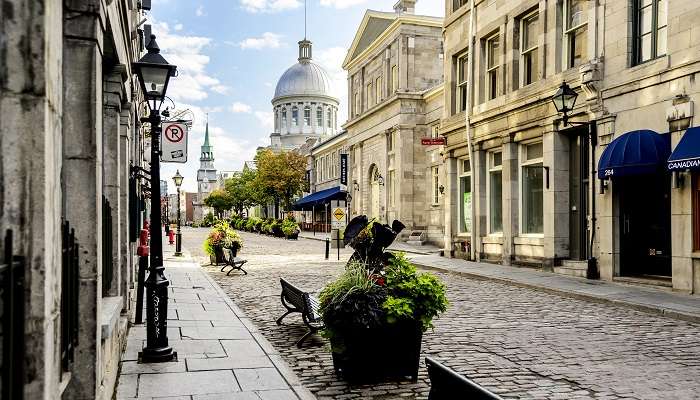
<point x="230" y="54"/>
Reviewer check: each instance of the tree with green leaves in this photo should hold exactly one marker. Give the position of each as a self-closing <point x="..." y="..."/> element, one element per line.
<point x="219" y="200"/>
<point x="281" y="176"/>
<point x="242" y="191"/>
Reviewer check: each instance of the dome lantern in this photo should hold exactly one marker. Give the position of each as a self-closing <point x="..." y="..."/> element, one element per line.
<point x="304" y="51"/>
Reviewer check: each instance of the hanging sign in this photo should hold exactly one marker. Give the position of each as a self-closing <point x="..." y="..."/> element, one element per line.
<point x="174" y="142"/>
<point x="344" y="169"/>
<point x="433" y="141"/>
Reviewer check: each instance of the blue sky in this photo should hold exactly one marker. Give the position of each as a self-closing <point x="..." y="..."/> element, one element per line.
<point x="230" y="54"/>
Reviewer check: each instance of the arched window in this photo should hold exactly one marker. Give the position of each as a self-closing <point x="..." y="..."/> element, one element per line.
<point x="307" y="116"/>
<point x="284" y="118"/>
<point x="295" y="116"/>
<point x="329" y="119"/>
<point x="319" y="117"/>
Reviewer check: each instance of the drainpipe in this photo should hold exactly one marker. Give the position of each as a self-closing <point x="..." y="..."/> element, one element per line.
<point x="468" y="127"/>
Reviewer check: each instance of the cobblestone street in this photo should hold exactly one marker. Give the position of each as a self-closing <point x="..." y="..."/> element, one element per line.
<point x="518" y="342"/>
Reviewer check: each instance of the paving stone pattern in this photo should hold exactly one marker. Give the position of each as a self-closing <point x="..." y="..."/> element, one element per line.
<point x="518" y="342"/>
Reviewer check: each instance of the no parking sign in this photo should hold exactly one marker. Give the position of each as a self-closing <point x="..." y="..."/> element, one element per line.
<point x="174" y="142"/>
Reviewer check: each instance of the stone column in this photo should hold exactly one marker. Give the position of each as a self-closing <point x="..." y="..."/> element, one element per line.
<point x="511" y="209"/>
<point x="82" y="174"/>
<point x="111" y="130"/>
<point x="555" y="155"/>
<point x="479" y="168"/>
<point x="125" y="159"/>
<point x="451" y="202"/>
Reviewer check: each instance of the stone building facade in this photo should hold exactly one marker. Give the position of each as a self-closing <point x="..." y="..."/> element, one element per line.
<point x="394" y="72"/>
<point x="532" y="180"/>
<point x="69" y="142"/>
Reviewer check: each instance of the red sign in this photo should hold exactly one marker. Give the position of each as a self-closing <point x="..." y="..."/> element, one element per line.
<point x="174" y="133"/>
<point x="440" y="141"/>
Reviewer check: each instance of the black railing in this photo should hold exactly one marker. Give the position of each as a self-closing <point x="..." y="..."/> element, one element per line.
<point x="12" y="278"/>
<point x="70" y="285"/>
<point x="107" y="260"/>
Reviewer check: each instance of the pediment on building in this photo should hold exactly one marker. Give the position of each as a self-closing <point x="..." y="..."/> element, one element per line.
<point x="372" y="26"/>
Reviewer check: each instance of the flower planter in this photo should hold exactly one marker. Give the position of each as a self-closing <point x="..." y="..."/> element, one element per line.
<point x="219" y="257"/>
<point x="293" y="236"/>
<point x="390" y="352"/>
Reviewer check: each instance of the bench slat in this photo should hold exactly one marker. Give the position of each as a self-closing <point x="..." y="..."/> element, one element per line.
<point x="446" y="384"/>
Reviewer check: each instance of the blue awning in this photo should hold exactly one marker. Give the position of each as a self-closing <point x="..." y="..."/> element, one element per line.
<point x="687" y="152"/>
<point x="319" y="198"/>
<point x="634" y="153"/>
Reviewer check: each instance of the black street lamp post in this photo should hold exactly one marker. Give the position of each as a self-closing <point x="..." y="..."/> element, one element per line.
<point x="564" y="101"/>
<point x="154" y="74"/>
<point x="178" y="236"/>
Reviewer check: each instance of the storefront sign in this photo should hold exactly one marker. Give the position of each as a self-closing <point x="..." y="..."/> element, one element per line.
<point x="685" y="164"/>
<point x="344" y="169"/>
<point x="433" y="141"/>
<point x="174" y="143"/>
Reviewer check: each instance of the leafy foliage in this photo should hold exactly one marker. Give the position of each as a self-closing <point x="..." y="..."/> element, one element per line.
<point x="219" y="200"/>
<point x="280" y="175"/>
<point x="290" y="227"/>
<point x="222" y="235"/>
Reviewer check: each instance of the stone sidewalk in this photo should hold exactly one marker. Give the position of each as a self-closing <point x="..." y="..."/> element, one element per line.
<point x="221" y="355"/>
<point x="675" y="305"/>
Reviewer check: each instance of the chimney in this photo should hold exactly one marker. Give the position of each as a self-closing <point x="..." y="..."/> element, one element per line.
<point x="405" y="7"/>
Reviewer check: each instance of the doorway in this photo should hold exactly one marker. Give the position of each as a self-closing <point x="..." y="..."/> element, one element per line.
<point x="645" y="224"/>
<point x="374" y="191"/>
<point x="579" y="178"/>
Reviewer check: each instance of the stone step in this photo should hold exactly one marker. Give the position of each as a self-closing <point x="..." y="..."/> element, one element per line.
<point x="572" y="268"/>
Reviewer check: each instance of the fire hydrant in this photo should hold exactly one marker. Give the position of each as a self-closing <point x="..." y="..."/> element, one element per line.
<point x="171" y="236"/>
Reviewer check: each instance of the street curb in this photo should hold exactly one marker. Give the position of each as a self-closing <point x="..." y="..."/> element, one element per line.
<point x="280" y="365"/>
<point x="694" y="318"/>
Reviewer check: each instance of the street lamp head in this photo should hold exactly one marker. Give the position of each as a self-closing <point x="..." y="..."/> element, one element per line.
<point x="564" y="99"/>
<point x="178" y="179"/>
<point x="154" y="72"/>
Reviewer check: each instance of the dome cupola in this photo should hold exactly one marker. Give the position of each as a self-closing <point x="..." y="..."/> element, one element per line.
<point x="304" y="78"/>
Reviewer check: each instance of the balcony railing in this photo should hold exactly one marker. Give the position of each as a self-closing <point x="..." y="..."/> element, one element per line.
<point x="70" y="278"/>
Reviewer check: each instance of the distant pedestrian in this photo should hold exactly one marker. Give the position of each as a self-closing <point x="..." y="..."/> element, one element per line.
<point x="171" y="236"/>
<point x="167" y="229"/>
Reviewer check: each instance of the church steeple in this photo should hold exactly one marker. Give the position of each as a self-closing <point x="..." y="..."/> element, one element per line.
<point x="207" y="150"/>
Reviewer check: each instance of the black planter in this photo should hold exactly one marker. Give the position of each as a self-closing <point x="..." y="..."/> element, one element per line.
<point x="391" y="352"/>
<point x="219" y="257"/>
<point x="293" y="236"/>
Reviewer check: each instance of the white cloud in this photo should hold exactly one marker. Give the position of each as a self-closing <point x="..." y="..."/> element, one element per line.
<point x="178" y="27"/>
<point x="269" y="6"/>
<point x="341" y="3"/>
<point x="200" y="11"/>
<point x="221" y="89"/>
<point x="332" y="60"/>
<point x="266" y="119"/>
<point x="187" y="52"/>
<point x="267" y="40"/>
<point x="239" y="107"/>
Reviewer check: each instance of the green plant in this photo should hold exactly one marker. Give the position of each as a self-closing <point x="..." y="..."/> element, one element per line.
<point x="411" y="295"/>
<point x="289" y="227"/>
<point x="222" y="235"/>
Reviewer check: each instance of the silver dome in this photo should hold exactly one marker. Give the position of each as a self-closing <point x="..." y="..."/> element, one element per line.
<point x="304" y="79"/>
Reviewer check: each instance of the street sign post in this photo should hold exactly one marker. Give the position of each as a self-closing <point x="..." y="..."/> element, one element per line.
<point x="174" y="143"/>
<point x="339" y="219"/>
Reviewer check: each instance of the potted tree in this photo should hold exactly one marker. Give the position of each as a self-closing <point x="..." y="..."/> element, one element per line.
<point x="376" y="312"/>
<point x="221" y="237"/>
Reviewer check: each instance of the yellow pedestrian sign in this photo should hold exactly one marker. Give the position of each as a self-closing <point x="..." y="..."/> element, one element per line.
<point x="339" y="217"/>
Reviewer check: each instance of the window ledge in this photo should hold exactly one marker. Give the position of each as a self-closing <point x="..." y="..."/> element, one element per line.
<point x="111" y="310"/>
<point x="496" y="238"/>
<point x="695" y="254"/>
<point x="534" y="239"/>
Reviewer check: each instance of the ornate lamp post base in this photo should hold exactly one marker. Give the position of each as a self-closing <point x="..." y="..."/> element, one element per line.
<point x="157" y="348"/>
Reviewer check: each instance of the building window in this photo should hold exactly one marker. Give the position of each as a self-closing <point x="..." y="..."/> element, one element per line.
<point x="378" y="89"/>
<point x="394" y="78"/>
<point x="530" y="28"/>
<point x="456" y="4"/>
<point x="532" y="194"/>
<point x="295" y="116"/>
<point x="575" y="31"/>
<point x="307" y="116"/>
<point x="650" y="29"/>
<point x="284" y="118"/>
<point x="436" y="185"/>
<point x="493" y="60"/>
<point x="465" y="196"/>
<point x="462" y="88"/>
<point x="277" y="120"/>
<point x="358" y="108"/>
<point x="696" y="210"/>
<point x="495" y="193"/>
<point x="369" y="95"/>
<point x="390" y="142"/>
<point x="319" y="117"/>
<point x="435" y="131"/>
<point x="392" y="188"/>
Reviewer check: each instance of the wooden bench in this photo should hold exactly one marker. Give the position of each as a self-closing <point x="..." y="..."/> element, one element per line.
<point x="236" y="263"/>
<point x="446" y="384"/>
<point x="294" y="300"/>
